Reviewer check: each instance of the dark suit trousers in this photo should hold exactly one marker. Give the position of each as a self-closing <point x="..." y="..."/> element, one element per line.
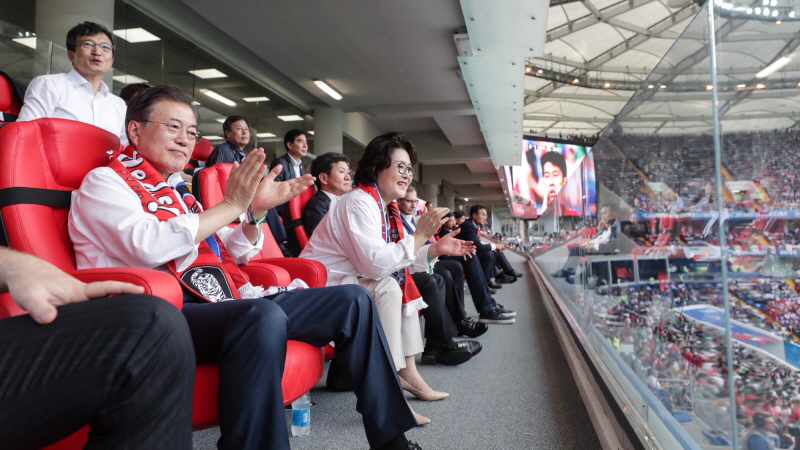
<point x="476" y="282"/>
<point x="488" y="261"/>
<point x="503" y="265"/>
<point x="453" y="275"/>
<point x="123" y="365"/>
<point x="439" y="326"/>
<point x="247" y="338"/>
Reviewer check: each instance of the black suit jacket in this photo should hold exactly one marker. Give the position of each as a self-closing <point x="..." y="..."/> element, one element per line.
<point x="315" y="209"/>
<point x="469" y="232"/>
<point x="286" y="170"/>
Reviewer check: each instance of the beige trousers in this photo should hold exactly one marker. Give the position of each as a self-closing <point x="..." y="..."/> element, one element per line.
<point x="403" y="333"/>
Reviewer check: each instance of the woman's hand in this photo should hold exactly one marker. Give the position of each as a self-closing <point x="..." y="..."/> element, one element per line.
<point x="449" y="245"/>
<point x="430" y="222"/>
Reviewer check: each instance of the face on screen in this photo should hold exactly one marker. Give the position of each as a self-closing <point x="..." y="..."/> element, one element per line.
<point x="552" y="180"/>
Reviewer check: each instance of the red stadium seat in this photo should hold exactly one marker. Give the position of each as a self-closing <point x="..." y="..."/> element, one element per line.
<point x="209" y="187"/>
<point x="41" y="163"/>
<point x="10" y="101"/>
<point x="202" y="150"/>
<point x="296" y="206"/>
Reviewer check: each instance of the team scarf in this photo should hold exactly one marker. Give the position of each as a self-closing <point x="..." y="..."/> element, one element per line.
<point x="213" y="275"/>
<point x="393" y="232"/>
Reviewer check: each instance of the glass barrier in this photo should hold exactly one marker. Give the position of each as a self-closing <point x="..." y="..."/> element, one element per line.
<point x="691" y="264"/>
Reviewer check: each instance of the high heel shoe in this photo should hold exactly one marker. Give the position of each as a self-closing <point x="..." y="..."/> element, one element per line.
<point x="431" y="396"/>
<point x="421" y="420"/>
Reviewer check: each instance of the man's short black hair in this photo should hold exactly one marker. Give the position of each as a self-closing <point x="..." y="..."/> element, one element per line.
<point x="324" y="164"/>
<point x="88" y="29"/>
<point x="759" y="419"/>
<point x="141" y="107"/>
<point x="459" y="214"/>
<point x="556" y="159"/>
<point x="476" y="209"/>
<point x="226" y="126"/>
<point x="130" y="91"/>
<point x="291" y="135"/>
<point x="378" y="156"/>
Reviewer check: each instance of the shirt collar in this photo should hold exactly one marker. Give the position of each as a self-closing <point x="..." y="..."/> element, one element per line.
<point x="78" y="80"/>
<point x="408" y="217"/>
<point x="296" y="162"/>
<point x="330" y="196"/>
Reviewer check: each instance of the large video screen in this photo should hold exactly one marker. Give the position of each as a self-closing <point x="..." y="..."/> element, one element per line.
<point x="520" y="206"/>
<point x="546" y="169"/>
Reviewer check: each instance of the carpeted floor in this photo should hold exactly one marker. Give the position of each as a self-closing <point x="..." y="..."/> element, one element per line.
<point x="518" y="393"/>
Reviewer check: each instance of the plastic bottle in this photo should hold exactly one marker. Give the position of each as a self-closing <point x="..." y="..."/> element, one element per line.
<point x="301" y="416"/>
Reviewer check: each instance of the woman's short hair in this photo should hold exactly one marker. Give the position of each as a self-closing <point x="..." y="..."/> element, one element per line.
<point x="378" y="156"/>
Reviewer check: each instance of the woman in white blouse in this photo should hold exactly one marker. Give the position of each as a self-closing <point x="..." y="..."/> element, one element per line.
<point x="359" y="241"/>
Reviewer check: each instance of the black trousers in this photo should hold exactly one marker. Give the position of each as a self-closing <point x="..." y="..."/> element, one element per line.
<point x="247" y="338"/>
<point x="123" y="365"/>
<point x="488" y="261"/>
<point x="453" y="275"/>
<point x="439" y="326"/>
<point x="476" y="282"/>
<point x="503" y="265"/>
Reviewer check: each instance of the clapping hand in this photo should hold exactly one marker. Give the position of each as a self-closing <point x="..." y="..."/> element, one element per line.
<point x="449" y="245"/>
<point x="430" y="222"/>
<point x="271" y="193"/>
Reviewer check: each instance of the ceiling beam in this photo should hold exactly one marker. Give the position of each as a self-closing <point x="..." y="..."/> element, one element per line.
<point x="588" y="20"/>
<point x="702" y="118"/>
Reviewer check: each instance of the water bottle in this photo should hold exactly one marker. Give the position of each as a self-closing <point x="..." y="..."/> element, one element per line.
<point x="301" y="416"/>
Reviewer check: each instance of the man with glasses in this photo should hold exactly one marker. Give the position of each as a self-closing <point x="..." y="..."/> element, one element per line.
<point x="763" y="436"/>
<point x="80" y="94"/>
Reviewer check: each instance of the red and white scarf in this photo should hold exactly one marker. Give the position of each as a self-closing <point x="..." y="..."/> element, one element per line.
<point x="213" y="275"/>
<point x="393" y="232"/>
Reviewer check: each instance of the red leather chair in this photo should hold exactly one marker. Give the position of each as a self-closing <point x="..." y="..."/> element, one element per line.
<point x="10" y="102"/>
<point x="209" y="188"/>
<point x="41" y="162"/>
<point x="296" y="206"/>
<point x="202" y="150"/>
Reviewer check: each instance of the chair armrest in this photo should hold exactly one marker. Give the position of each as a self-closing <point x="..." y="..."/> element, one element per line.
<point x="159" y="284"/>
<point x="313" y="273"/>
<point x="266" y="275"/>
<point x="156" y="283"/>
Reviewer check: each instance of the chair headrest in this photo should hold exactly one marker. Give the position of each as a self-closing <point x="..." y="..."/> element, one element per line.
<point x="202" y="150"/>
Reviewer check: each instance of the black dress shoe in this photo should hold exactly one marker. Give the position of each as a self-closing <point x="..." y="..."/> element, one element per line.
<point x="472" y="329"/>
<point x="400" y="443"/>
<point x="337" y="380"/>
<point x="514" y="274"/>
<point x="493" y="285"/>
<point x="504" y="279"/>
<point x="448" y="355"/>
<point x="492" y="291"/>
<point x="475" y="347"/>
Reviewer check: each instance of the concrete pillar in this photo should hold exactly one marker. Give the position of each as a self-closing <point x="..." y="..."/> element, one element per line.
<point x="328" y="130"/>
<point x="430" y="192"/>
<point x="55" y="17"/>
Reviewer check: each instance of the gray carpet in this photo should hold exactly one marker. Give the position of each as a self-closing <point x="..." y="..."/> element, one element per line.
<point x="518" y="393"/>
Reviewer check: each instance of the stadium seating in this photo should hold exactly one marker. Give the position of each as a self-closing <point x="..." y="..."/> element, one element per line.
<point x="202" y="150"/>
<point x="296" y="206"/>
<point x="41" y="163"/>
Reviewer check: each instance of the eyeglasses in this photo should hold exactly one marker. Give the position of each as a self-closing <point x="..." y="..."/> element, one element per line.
<point x="175" y="131"/>
<point x="90" y="45"/>
<point x="413" y="202"/>
<point x="404" y="168"/>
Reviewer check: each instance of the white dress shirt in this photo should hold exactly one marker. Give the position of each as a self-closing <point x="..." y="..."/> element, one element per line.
<point x="602" y="238"/>
<point x="109" y="228"/>
<point x="70" y="96"/>
<point x="349" y="243"/>
<point x="296" y="165"/>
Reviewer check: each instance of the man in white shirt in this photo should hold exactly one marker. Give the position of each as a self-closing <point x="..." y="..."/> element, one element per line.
<point x="80" y="94"/>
